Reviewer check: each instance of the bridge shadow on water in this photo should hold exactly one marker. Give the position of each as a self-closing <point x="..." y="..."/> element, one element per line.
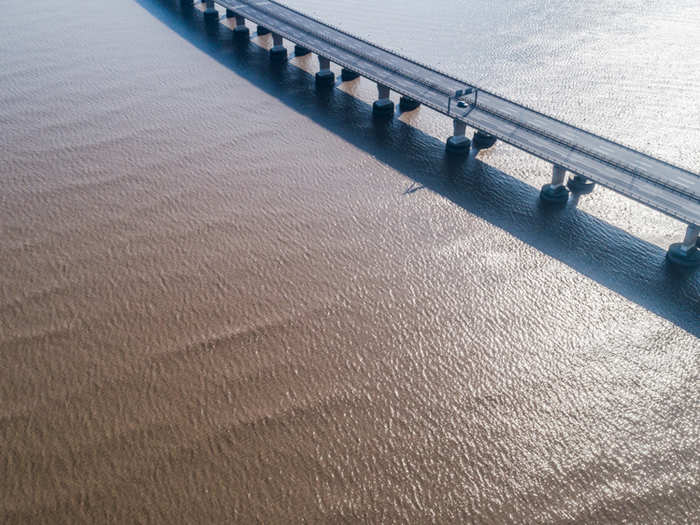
<point x="629" y="266"/>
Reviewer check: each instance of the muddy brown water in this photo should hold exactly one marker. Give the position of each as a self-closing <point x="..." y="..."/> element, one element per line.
<point x="226" y="297"/>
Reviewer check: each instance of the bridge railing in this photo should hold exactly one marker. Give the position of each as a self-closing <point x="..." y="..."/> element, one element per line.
<point x="592" y="153"/>
<point x="603" y="181"/>
<point x="365" y="41"/>
<point x="339" y="61"/>
<point x="591" y="134"/>
<point x="373" y="59"/>
<point x="490" y="93"/>
<point x="481" y="102"/>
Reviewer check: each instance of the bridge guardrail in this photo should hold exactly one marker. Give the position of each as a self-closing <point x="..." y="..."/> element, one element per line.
<point x="365" y="41"/>
<point x="569" y="167"/>
<point x="340" y="62"/>
<point x="352" y="51"/>
<point x="591" y="134"/>
<point x="490" y="109"/>
<point x="587" y="151"/>
<point x="463" y="82"/>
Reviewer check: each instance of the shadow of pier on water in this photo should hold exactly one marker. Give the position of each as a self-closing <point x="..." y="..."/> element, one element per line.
<point x="631" y="267"/>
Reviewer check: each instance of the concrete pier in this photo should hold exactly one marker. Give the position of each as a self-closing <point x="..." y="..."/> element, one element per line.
<point x="408" y="104"/>
<point x="483" y="140"/>
<point x="660" y="185"/>
<point x="458" y="143"/>
<point x="210" y="13"/>
<point x="262" y="30"/>
<point x="580" y="184"/>
<point x="348" y="75"/>
<point x="555" y="192"/>
<point x="241" y="30"/>
<point x="301" y="51"/>
<point x="686" y="253"/>
<point x="383" y="107"/>
<point x="325" y="77"/>
<point x="278" y="53"/>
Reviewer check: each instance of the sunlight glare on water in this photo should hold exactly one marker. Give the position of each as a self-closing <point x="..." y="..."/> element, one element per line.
<point x="226" y="296"/>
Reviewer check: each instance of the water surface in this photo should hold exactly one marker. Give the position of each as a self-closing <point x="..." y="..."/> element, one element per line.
<point x="227" y="297"/>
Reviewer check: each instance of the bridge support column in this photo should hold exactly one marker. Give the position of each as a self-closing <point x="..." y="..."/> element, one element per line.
<point x="686" y="253"/>
<point x="580" y="184"/>
<point x="483" y="140"/>
<point x="210" y="12"/>
<point x="556" y="192"/>
<point x="348" y="74"/>
<point x="262" y="30"/>
<point x="383" y="107"/>
<point x="408" y="104"/>
<point x="278" y="53"/>
<point x="301" y="51"/>
<point x="241" y="30"/>
<point x="458" y="143"/>
<point x="325" y="77"/>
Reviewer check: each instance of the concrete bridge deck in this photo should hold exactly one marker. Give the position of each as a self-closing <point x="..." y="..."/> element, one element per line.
<point x="655" y="183"/>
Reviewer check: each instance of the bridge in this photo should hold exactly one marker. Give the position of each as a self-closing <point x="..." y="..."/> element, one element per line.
<point x="589" y="158"/>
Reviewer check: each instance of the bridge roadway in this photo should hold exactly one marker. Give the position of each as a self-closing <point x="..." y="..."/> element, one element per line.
<point x="655" y="183"/>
